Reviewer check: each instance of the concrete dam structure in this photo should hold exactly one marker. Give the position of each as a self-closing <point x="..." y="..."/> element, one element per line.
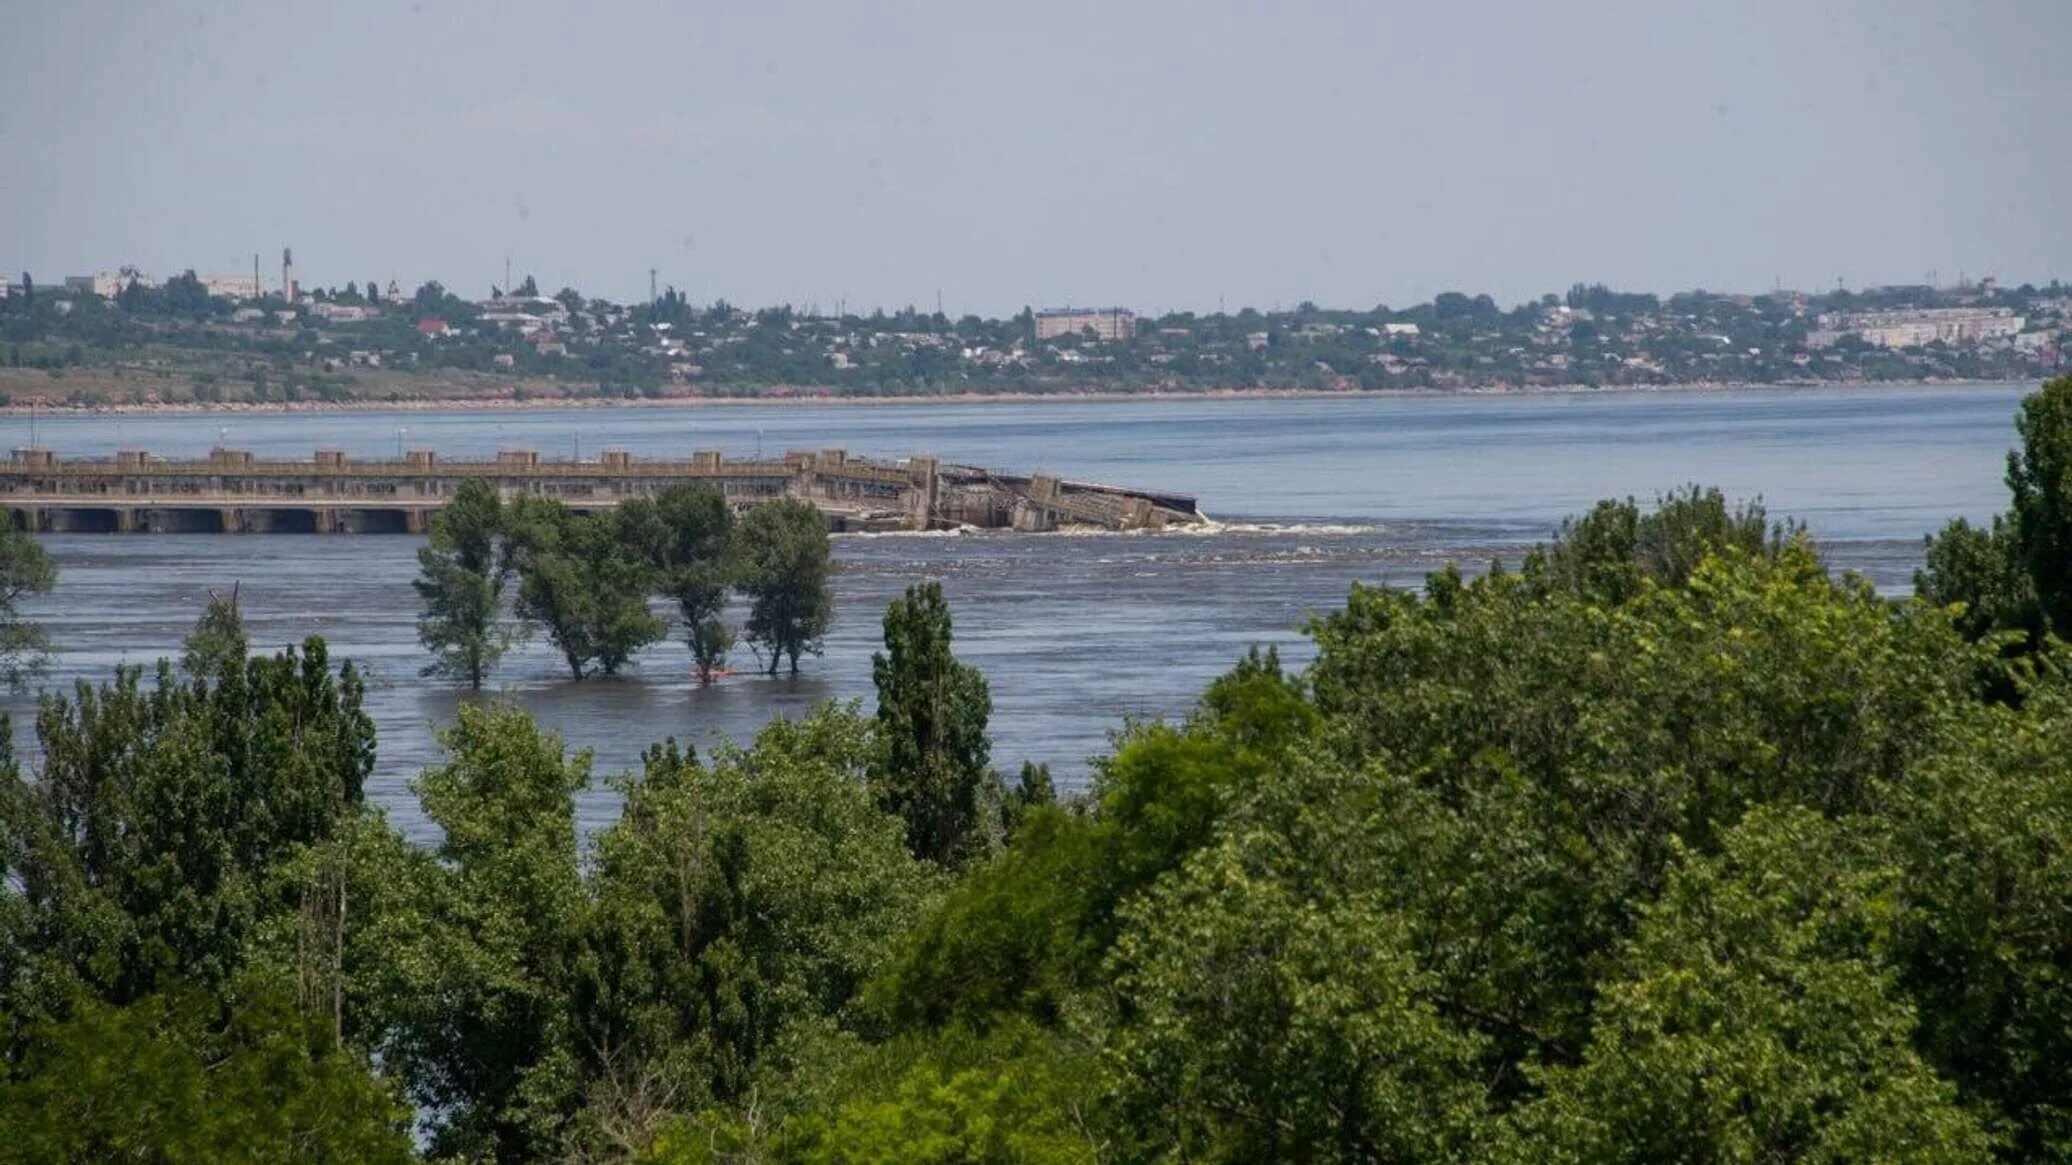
<point x="232" y="492"/>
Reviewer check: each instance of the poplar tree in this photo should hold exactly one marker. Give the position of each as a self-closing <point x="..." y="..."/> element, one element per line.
<point x="932" y="762"/>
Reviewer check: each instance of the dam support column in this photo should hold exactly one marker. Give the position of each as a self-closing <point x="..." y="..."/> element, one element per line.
<point x="125" y="520"/>
<point x="417" y="521"/>
<point x="921" y="497"/>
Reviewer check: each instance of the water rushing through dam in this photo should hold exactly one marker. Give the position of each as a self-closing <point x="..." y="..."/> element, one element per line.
<point x="1075" y="632"/>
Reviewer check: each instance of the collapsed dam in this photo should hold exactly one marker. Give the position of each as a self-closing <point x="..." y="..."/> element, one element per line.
<point x="233" y="492"/>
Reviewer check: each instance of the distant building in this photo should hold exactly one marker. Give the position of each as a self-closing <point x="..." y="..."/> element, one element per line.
<point x="526" y="314"/>
<point x="107" y="284"/>
<point x="432" y="327"/>
<point x="231" y="286"/>
<point x="1107" y="323"/>
<point x="1915" y="327"/>
<point x="341" y="313"/>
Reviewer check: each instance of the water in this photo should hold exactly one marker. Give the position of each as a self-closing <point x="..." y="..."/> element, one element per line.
<point x="1075" y="632"/>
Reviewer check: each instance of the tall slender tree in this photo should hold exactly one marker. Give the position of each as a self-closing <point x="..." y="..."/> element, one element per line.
<point x="932" y="762"/>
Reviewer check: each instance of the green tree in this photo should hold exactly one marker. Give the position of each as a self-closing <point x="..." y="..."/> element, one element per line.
<point x="1563" y="750"/>
<point x="739" y="906"/>
<point x="462" y="574"/>
<point x="1606" y="554"/>
<point x="2016" y="574"/>
<point x="932" y="767"/>
<point x="151" y="841"/>
<point x="1757" y="1019"/>
<point x="470" y="997"/>
<point x="687" y="534"/>
<point x="218" y="639"/>
<point x="178" y="1078"/>
<point x="1026" y="931"/>
<point x="584" y="585"/>
<point x="2039" y="480"/>
<point x="25" y="570"/>
<point x="1276" y="1018"/>
<point x="1983" y="837"/>
<point x="785" y="562"/>
<point x="1008" y="1095"/>
<point x="1981" y="568"/>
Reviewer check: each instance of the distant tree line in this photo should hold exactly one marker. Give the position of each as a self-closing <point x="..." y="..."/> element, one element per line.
<point x="494" y="571"/>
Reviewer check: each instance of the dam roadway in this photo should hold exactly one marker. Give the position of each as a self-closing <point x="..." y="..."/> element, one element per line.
<point x="232" y="492"/>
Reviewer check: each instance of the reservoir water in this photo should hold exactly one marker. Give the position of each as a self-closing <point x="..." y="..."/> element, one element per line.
<point x="1076" y="633"/>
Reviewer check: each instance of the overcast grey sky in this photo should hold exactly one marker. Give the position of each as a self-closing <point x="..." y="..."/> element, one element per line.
<point x="1152" y="155"/>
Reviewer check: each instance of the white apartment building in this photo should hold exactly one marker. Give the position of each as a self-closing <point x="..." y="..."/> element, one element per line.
<point x="1108" y="323"/>
<point x="1914" y="327"/>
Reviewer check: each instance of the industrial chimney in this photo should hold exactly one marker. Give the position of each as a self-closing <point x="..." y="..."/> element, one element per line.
<point x="288" y="289"/>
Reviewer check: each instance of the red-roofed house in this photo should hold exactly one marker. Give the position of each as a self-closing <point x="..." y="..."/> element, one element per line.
<point x="432" y="327"/>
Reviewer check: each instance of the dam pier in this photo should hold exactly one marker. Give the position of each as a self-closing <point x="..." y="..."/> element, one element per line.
<point x="231" y="491"/>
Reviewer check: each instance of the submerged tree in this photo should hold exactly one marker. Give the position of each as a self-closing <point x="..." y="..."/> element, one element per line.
<point x="462" y="574"/>
<point x="785" y="562"/>
<point x="583" y="585"/>
<point x="687" y="534"/>
<point x="932" y="762"/>
<point x="25" y="569"/>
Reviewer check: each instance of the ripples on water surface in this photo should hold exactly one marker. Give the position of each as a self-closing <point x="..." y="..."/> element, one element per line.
<point x="1075" y="633"/>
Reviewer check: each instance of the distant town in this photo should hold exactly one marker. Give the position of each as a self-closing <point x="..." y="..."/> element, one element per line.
<point x="129" y="338"/>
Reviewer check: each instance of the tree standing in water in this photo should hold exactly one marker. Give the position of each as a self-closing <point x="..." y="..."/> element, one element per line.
<point x="686" y="533"/>
<point x="582" y="584"/>
<point x="462" y="574"/>
<point x="25" y="569"/>
<point x="785" y="563"/>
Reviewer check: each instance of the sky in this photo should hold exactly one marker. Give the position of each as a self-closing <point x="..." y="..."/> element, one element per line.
<point x="1158" y="156"/>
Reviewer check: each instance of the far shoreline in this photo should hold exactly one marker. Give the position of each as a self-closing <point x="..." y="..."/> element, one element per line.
<point x="910" y="400"/>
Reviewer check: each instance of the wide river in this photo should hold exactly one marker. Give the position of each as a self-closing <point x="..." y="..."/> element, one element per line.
<point x="1076" y="633"/>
